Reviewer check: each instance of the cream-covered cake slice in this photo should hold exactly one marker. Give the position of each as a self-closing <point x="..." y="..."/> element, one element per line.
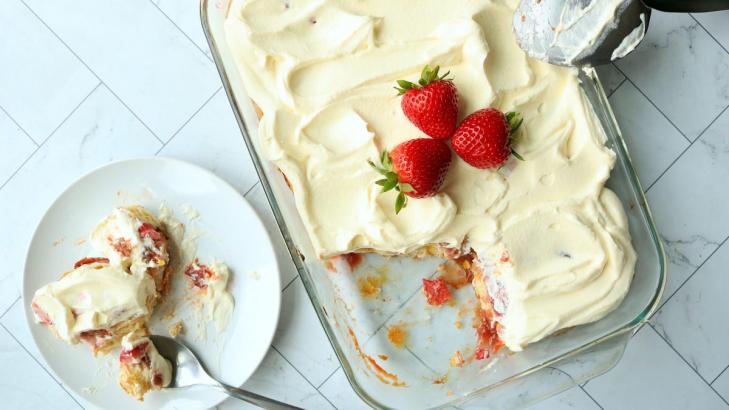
<point x="96" y="302"/>
<point x="142" y="368"/>
<point x="134" y="239"/>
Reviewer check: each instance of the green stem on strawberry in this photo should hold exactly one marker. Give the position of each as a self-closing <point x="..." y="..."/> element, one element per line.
<point x="391" y="180"/>
<point x="427" y="76"/>
<point x="514" y="119"/>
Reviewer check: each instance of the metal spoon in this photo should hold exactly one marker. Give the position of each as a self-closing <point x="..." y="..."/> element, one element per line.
<point x="580" y="32"/>
<point x="592" y="32"/>
<point x="188" y="371"/>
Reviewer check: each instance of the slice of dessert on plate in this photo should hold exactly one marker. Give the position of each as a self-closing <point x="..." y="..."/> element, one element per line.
<point x="135" y="239"/>
<point x="142" y="368"/>
<point x="96" y="302"/>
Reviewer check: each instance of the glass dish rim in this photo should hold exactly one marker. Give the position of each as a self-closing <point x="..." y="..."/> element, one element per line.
<point x="631" y="326"/>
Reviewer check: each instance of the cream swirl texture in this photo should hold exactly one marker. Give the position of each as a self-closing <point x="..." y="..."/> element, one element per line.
<point x="322" y="73"/>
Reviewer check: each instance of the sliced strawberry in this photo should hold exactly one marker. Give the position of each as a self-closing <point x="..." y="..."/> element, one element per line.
<point x="436" y="291"/>
<point x="415" y="168"/>
<point x="136" y="354"/>
<point x="87" y="261"/>
<point x="43" y="318"/>
<point x="432" y="104"/>
<point x="148" y="230"/>
<point x="485" y="137"/>
<point x="199" y="274"/>
<point x="94" y="337"/>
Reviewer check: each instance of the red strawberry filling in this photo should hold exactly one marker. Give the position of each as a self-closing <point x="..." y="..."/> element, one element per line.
<point x="122" y="246"/>
<point x="87" y="261"/>
<point x="41" y="315"/>
<point x="136" y="354"/>
<point x="436" y="291"/>
<point x="157" y="379"/>
<point x="199" y="274"/>
<point x="147" y="230"/>
<point x="95" y="337"/>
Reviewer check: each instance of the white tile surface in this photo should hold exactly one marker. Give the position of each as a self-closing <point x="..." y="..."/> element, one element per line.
<point x="276" y="378"/>
<point x="651" y="376"/>
<point x="37" y="97"/>
<point x="300" y="337"/>
<point x="24" y="384"/>
<point x="153" y="57"/>
<point x="139" y="54"/>
<point x="647" y="133"/>
<point x="695" y="320"/>
<point x="688" y="203"/>
<point x="722" y="385"/>
<point x="574" y="398"/>
<point x="17" y="147"/>
<point x="338" y="390"/>
<point x="677" y="65"/>
<point x="212" y="140"/>
<point x="186" y="15"/>
<point x="100" y="131"/>
<point x="716" y="24"/>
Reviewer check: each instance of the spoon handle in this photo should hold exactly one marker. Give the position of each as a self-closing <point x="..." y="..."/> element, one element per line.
<point x="253" y="398"/>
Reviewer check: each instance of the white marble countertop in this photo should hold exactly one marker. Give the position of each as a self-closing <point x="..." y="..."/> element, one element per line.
<point x="85" y="82"/>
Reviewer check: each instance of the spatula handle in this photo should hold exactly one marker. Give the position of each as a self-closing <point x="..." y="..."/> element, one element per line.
<point x="687" y="6"/>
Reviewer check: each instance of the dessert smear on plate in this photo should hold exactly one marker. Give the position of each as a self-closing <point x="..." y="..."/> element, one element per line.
<point x="107" y="300"/>
<point x="419" y="129"/>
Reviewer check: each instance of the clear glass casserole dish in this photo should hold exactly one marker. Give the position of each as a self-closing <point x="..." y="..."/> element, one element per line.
<point x="419" y="375"/>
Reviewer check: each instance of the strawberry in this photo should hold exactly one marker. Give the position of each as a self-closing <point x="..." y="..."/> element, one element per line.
<point x="436" y="291"/>
<point x="432" y="104"/>
<point x="485" y="137"/>
<point x="415" y="168"/>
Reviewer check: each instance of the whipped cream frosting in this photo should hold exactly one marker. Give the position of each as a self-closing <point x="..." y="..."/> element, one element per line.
<point x="93" y="296"/>
<point x="117" y="238"/>
<point x="158" y="365"/>
<point x="322" y="72"/>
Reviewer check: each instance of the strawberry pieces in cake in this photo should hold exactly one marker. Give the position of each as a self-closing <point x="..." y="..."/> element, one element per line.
<point x="436" y="291"/>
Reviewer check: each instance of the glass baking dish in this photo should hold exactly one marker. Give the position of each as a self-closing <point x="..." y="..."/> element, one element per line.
<point x="419" y="375"/>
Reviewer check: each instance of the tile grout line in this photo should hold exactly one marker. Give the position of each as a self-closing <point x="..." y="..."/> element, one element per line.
<point x="590" y="396"/>
<point x="164" y="144"/>
<point x="41" y="366"/>
<point x="618" y="86"/>
<point x="687" y="363"/>
<point x="690" y="276"/>
<point x="90" y="70"/>
<point x="302" y="375"/>
<point x="717" y="377"/>
<point x="10" y="307"/>
<point x="73" y="111"/>
<point x="2" y="185"/>
<point x="691" y="143"/>
<point x="18" y="125"/>
<point x="654" y="104"/>
<point x="181" y="31"/>
<point x="327" y="379"/>
<point x="708" y="32"/>
<point x="49" y="137"/>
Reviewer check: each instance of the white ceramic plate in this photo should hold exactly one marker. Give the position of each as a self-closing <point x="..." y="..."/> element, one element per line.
<point x="233" y="234"/>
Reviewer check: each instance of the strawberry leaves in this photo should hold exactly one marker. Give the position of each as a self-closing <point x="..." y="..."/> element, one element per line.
<point x="514" y="119"/>
<point x="391" y="180"/>
<point x="427" y="76"/>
